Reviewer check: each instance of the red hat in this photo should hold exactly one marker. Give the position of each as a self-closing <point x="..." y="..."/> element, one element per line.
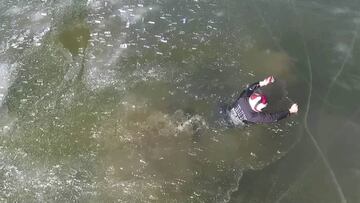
<point x="257" y="102"/>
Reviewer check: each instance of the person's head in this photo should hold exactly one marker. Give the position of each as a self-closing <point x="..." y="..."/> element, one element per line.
<point x="257" y="102"/>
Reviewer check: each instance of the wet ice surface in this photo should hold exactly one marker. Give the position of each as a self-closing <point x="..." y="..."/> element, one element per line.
<point x="106" y="100"/>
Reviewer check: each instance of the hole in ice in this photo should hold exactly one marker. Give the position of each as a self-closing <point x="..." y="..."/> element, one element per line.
<point x="75" y="38"/>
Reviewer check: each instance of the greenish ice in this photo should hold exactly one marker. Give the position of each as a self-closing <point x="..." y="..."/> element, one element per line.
<point x="118" y="101"/>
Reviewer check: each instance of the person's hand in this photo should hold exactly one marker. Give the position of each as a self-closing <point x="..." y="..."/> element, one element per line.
<point x="293" y="108"/>
<point x="267" y="81"/>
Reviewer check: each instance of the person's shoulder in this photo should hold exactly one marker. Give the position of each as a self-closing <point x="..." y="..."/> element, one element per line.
<point x="244" y="99"/>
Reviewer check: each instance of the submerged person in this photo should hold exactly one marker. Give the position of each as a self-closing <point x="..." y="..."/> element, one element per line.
<point x="248" y="107"/>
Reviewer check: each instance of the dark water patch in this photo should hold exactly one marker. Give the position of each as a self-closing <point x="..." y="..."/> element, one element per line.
<point x="75" y="38"/>
<point x="74" y="33"/>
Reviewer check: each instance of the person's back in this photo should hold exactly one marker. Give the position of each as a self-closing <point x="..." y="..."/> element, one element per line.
<point x="249" y="105"/>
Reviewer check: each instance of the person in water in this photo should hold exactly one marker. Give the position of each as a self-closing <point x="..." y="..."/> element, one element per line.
<point x="248" y="108"/>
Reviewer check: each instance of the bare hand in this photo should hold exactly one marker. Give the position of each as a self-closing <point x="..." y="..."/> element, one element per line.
<point x="267" y="81"/>
<point x="293" y="108"/>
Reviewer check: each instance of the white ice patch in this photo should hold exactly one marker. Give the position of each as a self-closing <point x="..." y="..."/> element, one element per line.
<point x="39" y="36"/>
<point x="356" y="21"/>
<point x="106" y="47"/>
<point x="99" y="68"/>
<point x="38" y="16"/>
<point x="134" y="15"/>
<point x="37" y="183"/>
<point x="97" y="78"/>
<point x="94" y="4"/>
<point x="28" y="26"/>
<point x="5" y="80"/>
<point x="338" y="11"/>
<point x="14" y="10"/>
<point x="196" y="119"/>
<point x="343" y="49"/>
<point x="149" y="73"/>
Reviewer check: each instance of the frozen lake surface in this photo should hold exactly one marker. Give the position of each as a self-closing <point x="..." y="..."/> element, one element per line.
<point x="117" y="101"/>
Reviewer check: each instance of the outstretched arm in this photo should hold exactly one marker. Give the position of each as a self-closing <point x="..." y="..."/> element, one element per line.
<point x="251" y="88"/>
<point x="269" y="117"/>
<point x="273" y="117"/>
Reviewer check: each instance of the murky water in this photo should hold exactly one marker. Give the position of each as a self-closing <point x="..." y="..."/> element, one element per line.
<point x="105" y="101"/>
